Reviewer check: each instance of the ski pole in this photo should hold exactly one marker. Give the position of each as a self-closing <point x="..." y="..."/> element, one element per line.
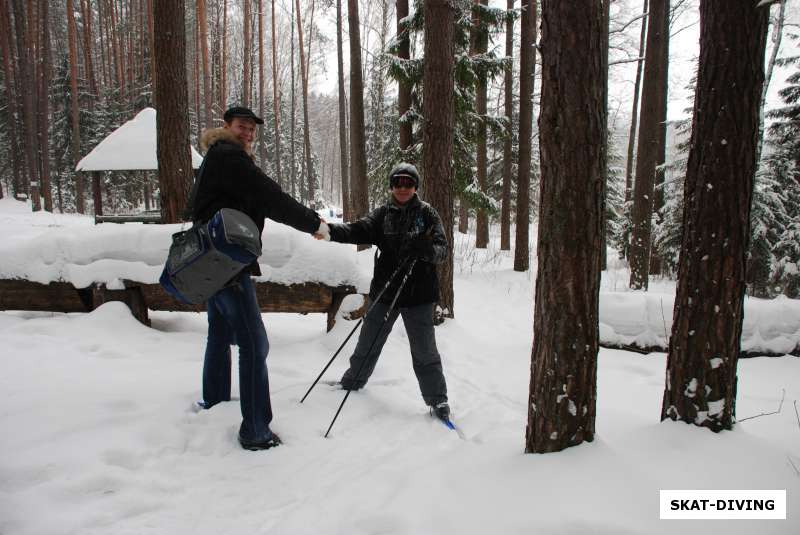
<point x="374" y="340"/>
<point x="369" y="309"/>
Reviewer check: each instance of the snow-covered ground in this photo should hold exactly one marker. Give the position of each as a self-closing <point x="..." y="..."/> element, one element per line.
<point x="98" y="435"/>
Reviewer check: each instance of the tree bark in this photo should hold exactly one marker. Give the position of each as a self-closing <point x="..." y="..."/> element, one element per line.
<point x="505" y="211"/>
<point x="44" y="105"/>
<point x="707" y="328"/>
<point x="74" y="106"/>
<point x="172" y="125"/>
<point x="86" y="10"/>
<point x="11" y="96"/>
<point x="358" y="158"/>
<point x="463" y="217"/>
<point x="25" y="70"/>
<point x="566" y="335"/>
<point x="527" y="59"/>
<point x="635" y="109"/>
<point x="102" y="30"/>
<point x="152" y="47"/>
<point x="650" y="154"/>
<point x="606" y="12"/>
<point x="310" y="187"/>
<point x="777" y="36"/>
<point x="202" y="20"/>
<point x="481" y="40"/>
<point x="404" y="88"/>
<point x="97" y="191"/>
<point x="262" y="146"/>
<point x="116" y="45"/>
<point x="196" y="82"/>
<point x="223" y="92"/>
<point x="276" y="101"/>
<point x="247" y="49"/>
<point x="344" y="164"/>
<point x="293" y="111"/>
<point x="437" y="134"/>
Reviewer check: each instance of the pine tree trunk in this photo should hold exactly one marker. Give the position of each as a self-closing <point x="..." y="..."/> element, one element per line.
<point x="151" y="48"/>
<point x="247" y="50"/>
<point x="635" y="110"/>
<point x="654" y="101"/>
<point x="75" y="107"/>
<point x="604" y="137"/>
<point x="482" y="219"/>
<point x="11" y="97"/>
<point x="463" y="217"/>
<point x="196" y="82"/>
<point x="146" y="190"/>
<point x="202" y="19"/>
<point x="293" y="111"/>
<point x="44" y="107"/>
<point x="310" y="193"/>
<point x="276" y="102"/>
<point x="97" y="191"/>
<point x="172" y="125"/>
<point x="437" y="137"/>
<point x="223" y="85"/>
<point x="102" y="32"/>
<point x="505" y="211"/>
<point x="116" y="44"/>
<point x="344" y="164"/>
<point x="25" y="71"/>
<point x="777" y="36"/>
<point x="527" y="62"/>
<point x="707" y="328"/>
<point x="404" y="88"/>
<point x="563" y="385"/>
<point x="262" y="145"/>
<point x="358" y="158"/>
<point x="86" y="11"/>
<point x="658" y="189"/>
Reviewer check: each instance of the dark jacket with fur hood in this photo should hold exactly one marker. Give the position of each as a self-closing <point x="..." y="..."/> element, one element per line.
<point x="390" y="227"/>
<point x="231" y="179"/>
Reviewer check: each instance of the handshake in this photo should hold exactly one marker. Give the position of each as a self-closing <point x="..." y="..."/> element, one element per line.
<point x="323" y="232"/>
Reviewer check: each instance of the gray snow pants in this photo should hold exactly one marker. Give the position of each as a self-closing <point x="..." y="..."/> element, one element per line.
<point x="418" y="321"/>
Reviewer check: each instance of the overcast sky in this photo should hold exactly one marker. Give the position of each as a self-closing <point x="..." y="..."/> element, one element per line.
<point x="684" y="50"/>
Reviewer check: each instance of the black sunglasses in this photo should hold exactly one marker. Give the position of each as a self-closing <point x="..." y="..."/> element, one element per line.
<point x="403" y="181"/>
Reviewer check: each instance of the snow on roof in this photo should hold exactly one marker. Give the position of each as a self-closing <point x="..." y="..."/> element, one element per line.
<point x="130" y="147"/>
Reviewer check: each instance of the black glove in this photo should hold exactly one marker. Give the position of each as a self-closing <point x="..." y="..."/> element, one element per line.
<point x="419" y="247"/>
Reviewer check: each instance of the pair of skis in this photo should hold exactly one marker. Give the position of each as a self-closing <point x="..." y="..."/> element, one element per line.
<point x="448" y="423"/>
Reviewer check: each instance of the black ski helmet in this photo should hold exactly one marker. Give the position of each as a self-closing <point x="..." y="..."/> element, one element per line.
<point x="406" y="170"/>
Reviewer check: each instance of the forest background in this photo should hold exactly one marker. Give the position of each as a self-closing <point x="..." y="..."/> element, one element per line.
<point x="75" y="70"/>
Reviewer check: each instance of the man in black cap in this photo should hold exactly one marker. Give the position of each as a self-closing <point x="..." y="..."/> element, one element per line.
<point x="231" y="179"/>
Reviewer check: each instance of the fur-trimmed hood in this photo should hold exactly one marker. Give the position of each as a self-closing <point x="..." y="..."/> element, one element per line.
<point x="212" y="135"/>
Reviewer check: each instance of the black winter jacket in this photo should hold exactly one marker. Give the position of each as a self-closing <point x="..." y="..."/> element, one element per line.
<point x="390" y="227"/>
<point x="231" y="179"/>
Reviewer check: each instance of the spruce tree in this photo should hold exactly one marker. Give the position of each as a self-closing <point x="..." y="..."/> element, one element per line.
<point x="782" y="167"/>
<point x="467" y="70"/>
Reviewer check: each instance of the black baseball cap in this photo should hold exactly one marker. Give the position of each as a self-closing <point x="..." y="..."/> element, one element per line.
<point x="241" y="111"/>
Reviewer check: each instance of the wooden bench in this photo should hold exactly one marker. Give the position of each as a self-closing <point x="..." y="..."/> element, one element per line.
<point x="20" y="294"/>
<point x="153" y="216"/>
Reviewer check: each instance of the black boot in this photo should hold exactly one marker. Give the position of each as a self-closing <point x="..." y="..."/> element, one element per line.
<point x="271" y="442"/>
<point x="441" y="411"/>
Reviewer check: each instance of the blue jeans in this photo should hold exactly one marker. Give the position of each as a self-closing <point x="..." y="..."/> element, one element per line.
<point x="234" y="317"/>
<point x="425" y="358"/>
